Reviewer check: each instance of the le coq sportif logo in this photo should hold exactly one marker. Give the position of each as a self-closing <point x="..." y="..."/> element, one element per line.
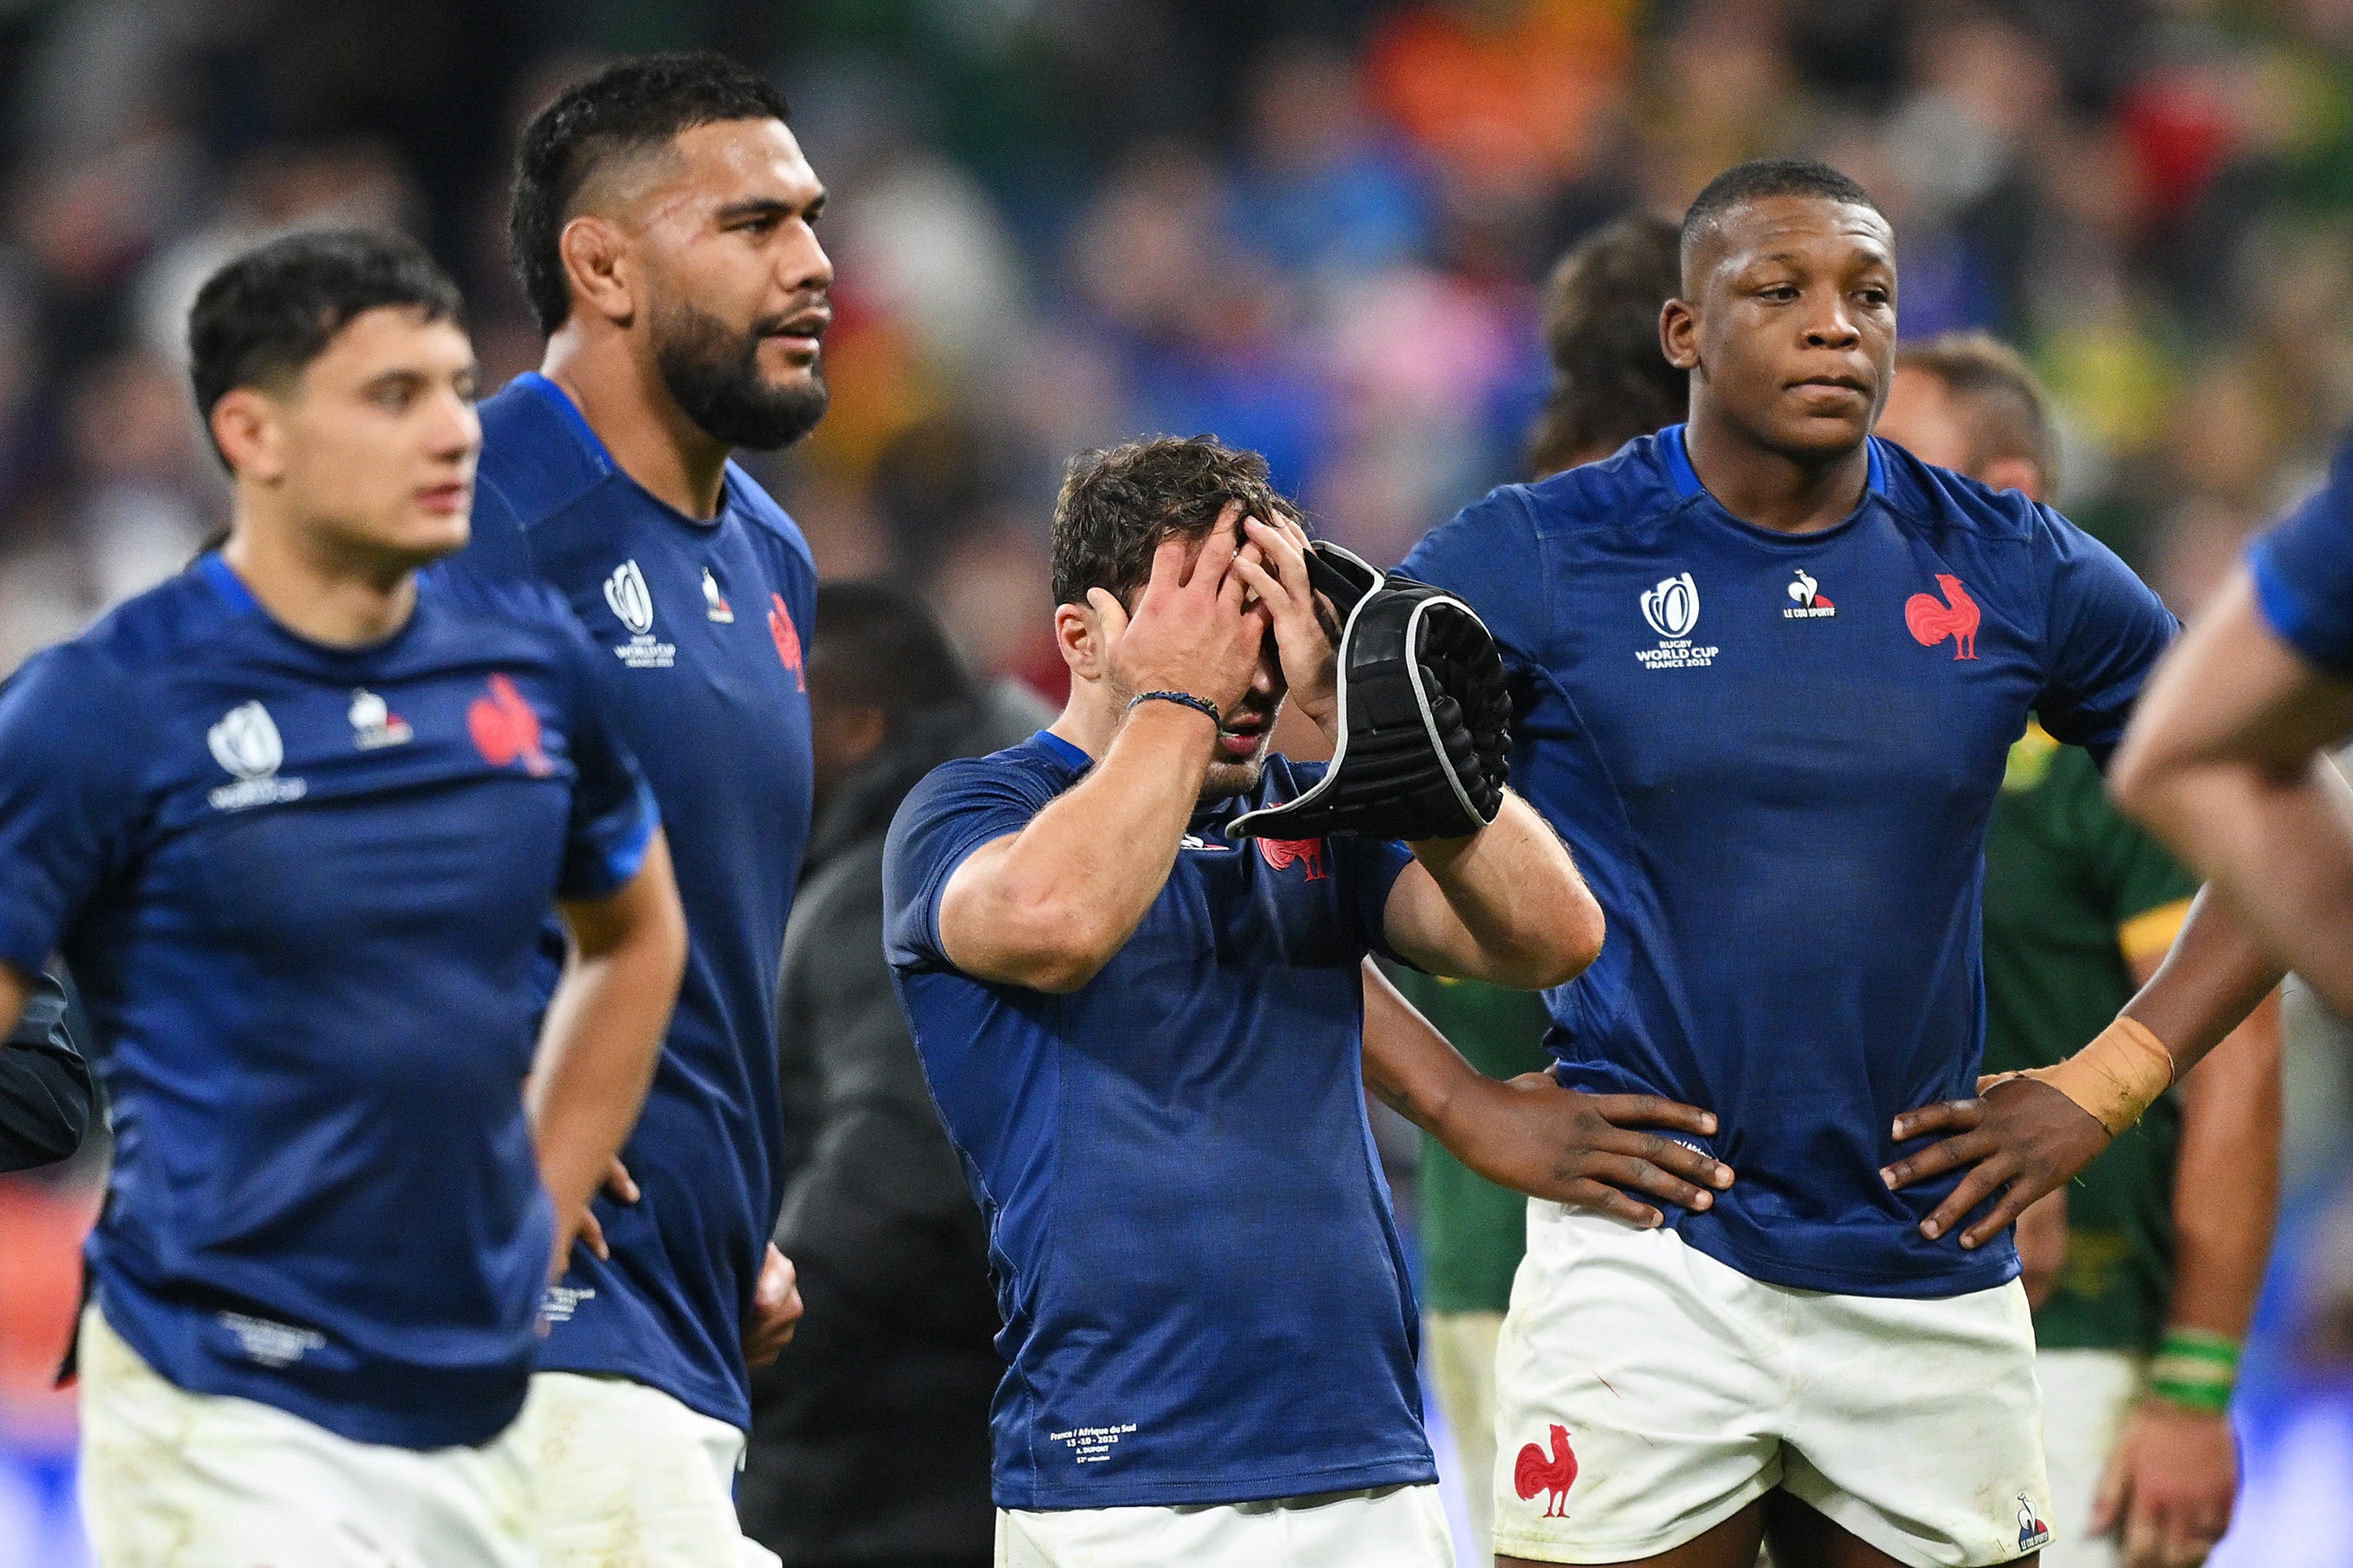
<point x="626" y="593"/>
<point x="1673" y="607"/>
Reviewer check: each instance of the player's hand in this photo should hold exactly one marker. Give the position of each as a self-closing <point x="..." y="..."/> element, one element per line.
<point x="1189" y="633"/>
<point x="1275" y="565"/>
<point x="619" y="1186"/>
<point x="776" y="1311"/>
<point x="2042" y="1246"/>
<point x="2171" y="1483"/>
<point x="1532" y="1135"/>
<point x="2021" y="1137"/>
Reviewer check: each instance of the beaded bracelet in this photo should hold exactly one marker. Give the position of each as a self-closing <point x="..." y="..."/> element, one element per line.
<point x="1183" y="699"/>
<point x="2196" y="1369"/>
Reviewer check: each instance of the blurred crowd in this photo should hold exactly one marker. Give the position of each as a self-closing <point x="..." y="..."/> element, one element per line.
<point x="1316" y="227"/>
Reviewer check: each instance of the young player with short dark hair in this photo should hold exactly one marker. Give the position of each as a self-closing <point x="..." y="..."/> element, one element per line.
<point x="1143" y="1035"/>
<point x="1774" y="669"/>
<point x="2157" y="1252"/>
<point x="296" y="819"/>
<point x="661" y="226"/>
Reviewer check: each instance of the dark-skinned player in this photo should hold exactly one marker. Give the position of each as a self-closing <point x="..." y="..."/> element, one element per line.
<point x="1773" y="669"/>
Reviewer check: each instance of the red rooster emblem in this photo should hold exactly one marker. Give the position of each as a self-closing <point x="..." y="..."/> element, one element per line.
<point x="788" y="639"/>
<point x="1932" y="623"/>
<point x="1534" y="1472"/>
<point x="504" y="727"/>
<point x="1280" y="853"/>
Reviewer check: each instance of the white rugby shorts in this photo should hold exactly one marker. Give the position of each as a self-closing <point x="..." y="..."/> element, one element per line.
<point x="2086" y="1395"/>
<point x="1646" y="1392"/>
<point x="629" y="1477"/>
<point x="200" y="1481"/>
<point x="1387" y="1527"/>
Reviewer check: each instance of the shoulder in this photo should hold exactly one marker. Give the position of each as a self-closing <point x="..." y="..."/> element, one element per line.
<point x="524" y="603"/>
<point x="1028" y="772"/>
<point x="538" y="455"/>
<point x="1631" y="484"/>
<point x="761" y="513"/>
<point x="153" y="630"/>
<point x="1938" y="500"/>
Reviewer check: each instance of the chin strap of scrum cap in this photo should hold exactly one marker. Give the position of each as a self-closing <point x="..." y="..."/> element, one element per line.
<point x="1425" y="719"/>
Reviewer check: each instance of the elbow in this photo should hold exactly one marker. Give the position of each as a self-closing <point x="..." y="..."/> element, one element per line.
<point x="2135" y="778"/>
<point x="1572" y="952"/>
<point x="1060" y="949"/>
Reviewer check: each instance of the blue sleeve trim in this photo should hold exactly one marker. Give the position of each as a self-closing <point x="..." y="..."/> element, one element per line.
<point x="628" y="857"/>
<point x="2294" y="622"/>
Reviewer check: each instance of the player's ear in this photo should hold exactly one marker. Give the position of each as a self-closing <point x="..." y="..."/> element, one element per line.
<point x="2020" y="473"/>
<point x="1678" y="334"/>
<point x="247" y="427"/>
<point x="1078" y="633"/>
<point x="599" y="267"/>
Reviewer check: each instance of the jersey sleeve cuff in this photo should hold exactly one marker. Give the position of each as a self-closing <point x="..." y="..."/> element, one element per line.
<point x="620" y="864"/>
<point x="2291" y="618"/>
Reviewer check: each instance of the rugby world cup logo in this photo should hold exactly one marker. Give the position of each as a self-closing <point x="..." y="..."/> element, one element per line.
<point x="246" y="742"/>
<point x="626" y="593"/>
<point x="1673" y="607"/>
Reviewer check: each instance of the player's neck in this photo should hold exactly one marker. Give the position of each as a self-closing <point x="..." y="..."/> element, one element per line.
<point x="318" y="593"/>
<point x="641" y="425"/>
<point x="1770" y="489"/>
<point x="1090" y="719"/>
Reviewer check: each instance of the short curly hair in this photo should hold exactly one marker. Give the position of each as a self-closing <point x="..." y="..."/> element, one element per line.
<point x="1118" y="503"/>
<point x="630" y="107"/>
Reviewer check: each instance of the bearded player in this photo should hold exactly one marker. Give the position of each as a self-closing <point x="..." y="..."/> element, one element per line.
<point x="2164" y="1237"/>
<point x="1773" y="671"/>
<point x="661" y="229"/>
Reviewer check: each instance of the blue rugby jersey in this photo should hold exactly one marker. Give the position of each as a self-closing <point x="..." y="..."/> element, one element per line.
<point x="301" y="890"/>
<point x="2303" y="571"/>
<point x="1204" y="1295"/>
<point x="699" y="627"/>
<point x="1775" y="756"/>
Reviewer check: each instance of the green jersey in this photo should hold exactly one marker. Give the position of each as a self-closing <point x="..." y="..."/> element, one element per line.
<point x="1473" y="1232"/>
<point x="2072" y="892"/>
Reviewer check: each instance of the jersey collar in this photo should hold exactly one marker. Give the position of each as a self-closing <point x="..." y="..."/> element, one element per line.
<point x="546" y="390"/>
<point x="226" y="583"/>
<point x="1064" y="752"/>
<point x="1687" y="484"/>
<point x="557" y="398"/>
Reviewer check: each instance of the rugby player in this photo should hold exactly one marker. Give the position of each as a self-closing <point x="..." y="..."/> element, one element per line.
<point x="1610" y="384"/>
<point x="2224" y="759"/>
<point x="1143" y="1036"/>
<point x="1774" y="669"/>
<point x="660" y="225"/>
<point x="2165" y="1234"/>
<point x="295" y="820"/>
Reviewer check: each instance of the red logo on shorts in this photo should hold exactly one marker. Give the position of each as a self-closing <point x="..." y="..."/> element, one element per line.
<point x="1280" y="853"/>
<point x="504" y="728"/>
<point x="1932" y="623"/>
<point x="1538" y="1472"/>
<point x="788" y="639"/>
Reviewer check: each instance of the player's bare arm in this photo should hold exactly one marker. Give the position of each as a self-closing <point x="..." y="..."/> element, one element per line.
<point x="1047" y="908"/>
<point x="2223" y="763"/>
<point x="604" y="1034"/>
<point x="1503" y="904"/>
<point x="16" y="987"/>
<point x="2029" y="1134"/>
<point x="2173" y="1479"/>
<point x="1528" y="1133"/>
